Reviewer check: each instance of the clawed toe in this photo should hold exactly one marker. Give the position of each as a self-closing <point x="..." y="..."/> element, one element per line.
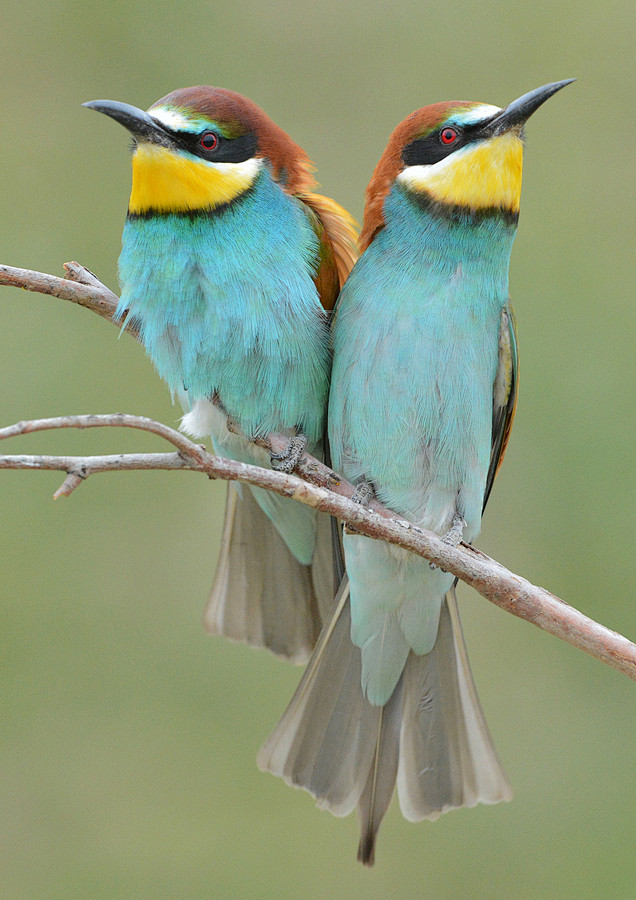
<point x="287" y="460"/>
<point x="363" y="494"/>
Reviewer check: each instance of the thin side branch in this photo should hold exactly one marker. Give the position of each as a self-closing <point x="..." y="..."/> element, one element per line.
<point x="113" y="420"/>
<point x="91" y="295"/>
<point x="319" y="487"/>
<point x="325" y="491"/>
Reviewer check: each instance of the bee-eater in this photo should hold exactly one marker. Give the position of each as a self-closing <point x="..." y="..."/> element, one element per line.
<point x="230" y="266"/>
<point x="422" y="399"/>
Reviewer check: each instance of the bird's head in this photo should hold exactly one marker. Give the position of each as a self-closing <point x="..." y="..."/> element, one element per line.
<point x="199" y="148"/>
<point x="456" y="156"/>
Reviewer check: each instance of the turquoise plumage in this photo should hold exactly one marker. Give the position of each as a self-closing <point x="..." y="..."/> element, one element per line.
<point x="422" y="399"/>
<point x="229" y="268"/>
<point x="423" y="378"/>
<point x="248" y="327"/>
<point x="248" y="322"/>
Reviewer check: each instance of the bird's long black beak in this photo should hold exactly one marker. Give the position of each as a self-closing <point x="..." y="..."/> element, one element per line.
<point x="519" y="111"/>
<point x="140" y="124"/>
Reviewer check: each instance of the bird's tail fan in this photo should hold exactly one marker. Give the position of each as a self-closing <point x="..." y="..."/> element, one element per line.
<point x="430" y="737"/>
<point x="447" y="756"/>
<point x="262" y="594"/>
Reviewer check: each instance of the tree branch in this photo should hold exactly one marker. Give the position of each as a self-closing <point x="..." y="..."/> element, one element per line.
<point x="319" y="487"/>
<point x="80" y="286"/>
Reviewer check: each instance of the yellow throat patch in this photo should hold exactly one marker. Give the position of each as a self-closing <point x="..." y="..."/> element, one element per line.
<point x="480" y="177"/>
<point x="167" y="182"/>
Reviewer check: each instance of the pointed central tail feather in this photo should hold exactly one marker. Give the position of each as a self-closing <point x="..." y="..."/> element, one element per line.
<point x="376" y="796"/>
<point x="430" y="736"/>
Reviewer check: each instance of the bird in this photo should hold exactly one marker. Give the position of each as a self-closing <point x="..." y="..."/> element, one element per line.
<point x="230" y="267"/>
<point x="423" y="395"/>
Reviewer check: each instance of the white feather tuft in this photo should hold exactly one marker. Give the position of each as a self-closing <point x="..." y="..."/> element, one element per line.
<point x="198" y="423"/>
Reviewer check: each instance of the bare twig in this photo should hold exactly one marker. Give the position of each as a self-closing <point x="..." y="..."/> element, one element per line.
<point x="96" y="296"/>
<point x="331" y="494"/>
<point x="320" y="488"/>
<point x="113" y="420"/>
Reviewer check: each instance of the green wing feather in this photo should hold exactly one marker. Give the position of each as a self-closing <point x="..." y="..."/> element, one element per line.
<point x="504" y="394"/>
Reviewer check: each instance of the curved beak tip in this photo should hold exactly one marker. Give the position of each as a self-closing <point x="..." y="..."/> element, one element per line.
<point x="555" y="86"/>
<point x="519" y="111"/>
<point x="135" y="120"/>
<point x="104" y="106"/>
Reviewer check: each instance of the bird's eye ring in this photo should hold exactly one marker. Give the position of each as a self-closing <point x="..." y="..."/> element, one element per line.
<point x="448" y="135"/>
<point x="208" y="140"/>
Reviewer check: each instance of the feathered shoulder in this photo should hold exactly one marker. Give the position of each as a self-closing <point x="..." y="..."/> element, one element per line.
<point x="338" y="235"/>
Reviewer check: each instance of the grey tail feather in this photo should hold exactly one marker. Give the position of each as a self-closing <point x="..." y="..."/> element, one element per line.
<point x="261" y="594"/>
<point x="430" y="737"/>
<point x="325" y="740"/>
<point x="447" y="757"/>
<point x="376" y="797"/>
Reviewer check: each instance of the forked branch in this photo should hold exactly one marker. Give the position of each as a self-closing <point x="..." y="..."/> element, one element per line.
<point x="318" y="487"/>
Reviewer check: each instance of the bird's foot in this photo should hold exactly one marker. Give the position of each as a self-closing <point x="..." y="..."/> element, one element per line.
<point x="232" y="425"/>
<point x="288" y="459"/>
<point x="454" y="534"/>
<point x="363" y="494"/>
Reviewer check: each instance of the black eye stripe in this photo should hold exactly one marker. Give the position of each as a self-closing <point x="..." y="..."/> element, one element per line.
<point x="238" y="149"/>
<point x="436" y="145"/>
<point x="430" y="149"/>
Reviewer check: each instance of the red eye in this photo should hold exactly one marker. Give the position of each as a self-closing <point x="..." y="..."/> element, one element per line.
<point x="208" y="140"/>
<point x="448" y="135"/>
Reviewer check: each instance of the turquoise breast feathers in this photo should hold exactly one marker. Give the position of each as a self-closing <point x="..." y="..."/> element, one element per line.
<point x="227" y="306"/>
<point x="424" y="373"/>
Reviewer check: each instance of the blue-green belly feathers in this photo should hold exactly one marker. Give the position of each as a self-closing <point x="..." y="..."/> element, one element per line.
<point x="229" y="263"/>
<point x="227" y="306"/>
<point x="411" y="411"/>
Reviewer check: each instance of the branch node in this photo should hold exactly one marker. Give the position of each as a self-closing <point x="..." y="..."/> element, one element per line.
<point x="503" y="588"/>
<point x="72" y="481"/>
<point x="75" y="272"/>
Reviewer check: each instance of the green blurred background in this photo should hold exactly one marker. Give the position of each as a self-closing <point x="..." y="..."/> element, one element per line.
<point x="128" y="736"/>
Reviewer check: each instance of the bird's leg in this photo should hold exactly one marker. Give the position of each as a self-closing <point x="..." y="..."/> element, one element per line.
<point x="454" y="534"/>
<point x="287" y="460"/>
<point x="363" y="494"/>
<point x="232" y="425"/>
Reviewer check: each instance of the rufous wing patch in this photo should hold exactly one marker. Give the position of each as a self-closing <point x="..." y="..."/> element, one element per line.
<point x="338" y="233"/>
